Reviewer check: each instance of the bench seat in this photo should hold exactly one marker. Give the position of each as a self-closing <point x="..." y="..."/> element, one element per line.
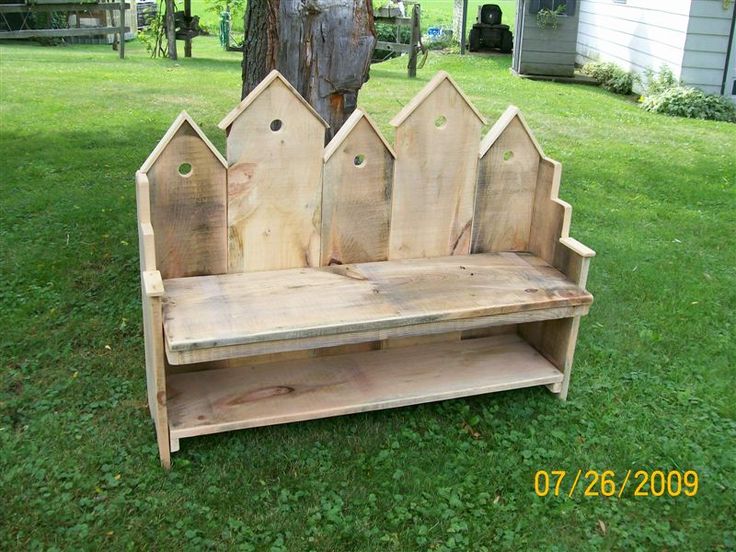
<point x="234" y="315"/>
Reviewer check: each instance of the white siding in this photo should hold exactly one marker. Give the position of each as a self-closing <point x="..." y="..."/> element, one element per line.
<point x="638" y="35"/>
<point x="706" y="45"/>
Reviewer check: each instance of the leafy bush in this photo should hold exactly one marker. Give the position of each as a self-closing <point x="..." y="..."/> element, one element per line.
<point x="611" y="77"/>
<point x="665" y="94"/>
<point x="656" y="83"/>
<point x="684" y="101"/>
<point x="549" y="18"/>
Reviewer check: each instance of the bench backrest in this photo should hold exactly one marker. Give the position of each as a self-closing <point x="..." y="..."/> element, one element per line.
<point x="283" y="200"/>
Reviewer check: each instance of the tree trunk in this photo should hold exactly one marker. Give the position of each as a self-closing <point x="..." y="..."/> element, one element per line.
<point x="261" y="42"/>
<point x="322" y="47"/>
<point x="170" y="30"/>
<point x="457" y="20"/>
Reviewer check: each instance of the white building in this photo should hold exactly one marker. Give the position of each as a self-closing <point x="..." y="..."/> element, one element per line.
<point x="695" y="38"/>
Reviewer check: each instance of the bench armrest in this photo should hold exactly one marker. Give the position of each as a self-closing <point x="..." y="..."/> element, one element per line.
<point x="573" y="260"/>
<point x="153" y="285"/>
<point x="577" y="247"/>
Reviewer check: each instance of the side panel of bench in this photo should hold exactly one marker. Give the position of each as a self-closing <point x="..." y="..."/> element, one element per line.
<point x="517" y="208"/>
<point x="151" y="290"/>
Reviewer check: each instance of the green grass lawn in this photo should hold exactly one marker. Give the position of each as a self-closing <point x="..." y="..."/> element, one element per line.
<point x="653" y="385"/>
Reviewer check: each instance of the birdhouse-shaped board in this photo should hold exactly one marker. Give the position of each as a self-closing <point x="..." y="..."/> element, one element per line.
<point x="356" y="193"/>
<point x="275" y="141"/>
<point x="507" y="183"/>
<point x="187" y="199"/>
<point x="437" y="136"/>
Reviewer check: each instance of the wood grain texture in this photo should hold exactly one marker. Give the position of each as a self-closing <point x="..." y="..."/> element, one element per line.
<point x="146" y="238"/>
<point x="356" y="194"/>
<point x="442" y="330"/>
<point x="549" y="239"/>
<point x="151" y="297"/>
<point x="507" y="182"/>
<point x="556" y="340"/>
<point x="274" y="180"/>
<point x="217" y="311"/>
<point x="252" y="396"/>
<point x="323" y="324"/>
<point x="551" y="216"/>
<point x="434" y="182"/>
<point x="155" y="374"/>
<point x="187" y="211"/>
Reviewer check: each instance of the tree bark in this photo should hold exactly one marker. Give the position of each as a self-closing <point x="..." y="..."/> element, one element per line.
<point x="457" y="17"/>
<point x="261" y="42"/>
<point x="170" y="30"/>
<point x="322" y="47"/>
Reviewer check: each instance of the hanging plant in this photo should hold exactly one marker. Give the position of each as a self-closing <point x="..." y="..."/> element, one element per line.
<point x="549" y="19"/>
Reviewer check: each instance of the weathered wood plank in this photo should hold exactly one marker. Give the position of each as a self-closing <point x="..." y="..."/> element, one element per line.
<point x="186" y="180"/>
<point x="72" y="6"/>
<point x="393" y="47"/>
<point x="155" y="373"/>
<point x="274" y="151"/>
<point x="52" y="33"/>
<point x="203" y="312"/>
<point x="556" y="340"/>
<point x="437" y="136"/>
<point x="443" y="330"/>
<point x="356" y="194"/>
<point x="252" y="396"/>
<point x="507" y="183"/>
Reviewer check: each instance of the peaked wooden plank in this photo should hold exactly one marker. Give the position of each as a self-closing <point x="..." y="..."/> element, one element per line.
<point x="356" y="117"/>
<point x="183" y="117"/>
<point x="187" y="202"/>
<point x="257" y="91"/>
<point x="427" y="91"/>
<point x="356" y="193"/>
<point x="437" y="136"/>
<point x="512" y="112"/>
<point x="274" y="151"/>
<point x="506" y="188"/>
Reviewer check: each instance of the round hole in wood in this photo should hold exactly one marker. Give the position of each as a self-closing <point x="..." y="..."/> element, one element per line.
<point x="185" y="169"/>
<point x="359" y="160"/>
<point x="440" y="122"/>
<point x="508" y="155"/>
<point x="276" y="125"/>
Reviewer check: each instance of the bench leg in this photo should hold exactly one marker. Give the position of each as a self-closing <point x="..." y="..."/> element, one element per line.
<point x="156" y="375"/>
<point x="556" y="340"/>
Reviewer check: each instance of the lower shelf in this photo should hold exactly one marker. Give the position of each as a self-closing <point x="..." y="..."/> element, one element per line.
<point x="213" y="401"/>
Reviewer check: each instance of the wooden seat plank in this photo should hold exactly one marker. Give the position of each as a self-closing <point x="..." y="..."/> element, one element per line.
<point x="234" y="309"/>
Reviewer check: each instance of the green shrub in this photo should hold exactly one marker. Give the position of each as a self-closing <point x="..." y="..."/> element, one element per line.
<point x="665" y="94"/>
<point x="610" y="76"/>
<point x="656" y="83"/>
<point x="684" y="101"/>
<point x="387" y="33"/>
<point x="550" y="18"/>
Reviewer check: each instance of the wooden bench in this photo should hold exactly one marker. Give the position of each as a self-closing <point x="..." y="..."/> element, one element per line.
<point x="294" y="281"/>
